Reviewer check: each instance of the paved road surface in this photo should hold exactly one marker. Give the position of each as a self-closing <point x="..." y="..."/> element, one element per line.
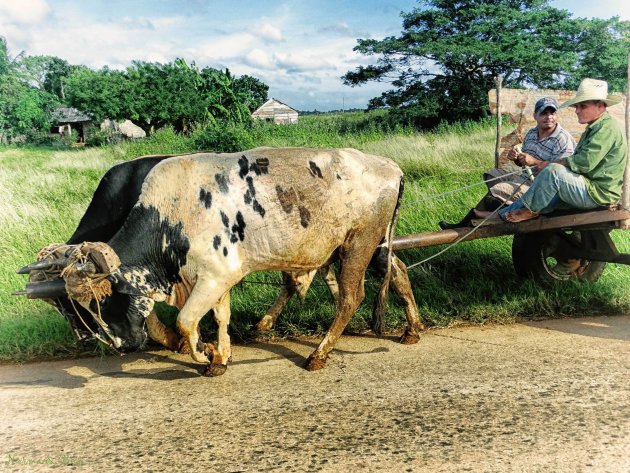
<point x="549" y="396"/>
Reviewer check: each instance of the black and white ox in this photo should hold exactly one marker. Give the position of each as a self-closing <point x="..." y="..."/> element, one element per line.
<point x="204" y="221"/>
<point x="115" y="196"/>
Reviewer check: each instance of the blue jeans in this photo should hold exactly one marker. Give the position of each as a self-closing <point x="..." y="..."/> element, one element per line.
<point x="555" y="187"/>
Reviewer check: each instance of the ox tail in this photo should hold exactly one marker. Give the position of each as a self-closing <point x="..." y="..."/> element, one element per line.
<point x="382" y="264"/>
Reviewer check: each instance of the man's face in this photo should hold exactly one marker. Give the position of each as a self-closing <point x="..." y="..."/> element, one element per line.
<point x="589" y="111"/>
<point x="547" y="119"/>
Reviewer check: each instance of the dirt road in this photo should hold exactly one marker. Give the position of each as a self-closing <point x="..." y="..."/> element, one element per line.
<point x="538" y="397"/>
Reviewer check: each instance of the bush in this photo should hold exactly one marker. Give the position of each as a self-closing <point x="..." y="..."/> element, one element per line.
<point x="96" y="137"/>
<point x="163" y="141"/>
<point x="227" y="139"/>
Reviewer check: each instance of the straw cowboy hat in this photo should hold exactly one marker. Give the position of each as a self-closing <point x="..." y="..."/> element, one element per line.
<point x="592" y="89"/>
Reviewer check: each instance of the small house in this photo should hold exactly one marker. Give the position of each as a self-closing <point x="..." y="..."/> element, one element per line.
<point x="68" y="119"/>
<point x="275" y="111"/>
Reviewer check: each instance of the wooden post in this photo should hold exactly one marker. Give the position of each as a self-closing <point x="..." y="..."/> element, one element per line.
<point x="498" y="80"/>
<point x="625" y="190"/>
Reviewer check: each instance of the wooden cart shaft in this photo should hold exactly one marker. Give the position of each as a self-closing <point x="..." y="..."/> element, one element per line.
<point x="496" y="227"/>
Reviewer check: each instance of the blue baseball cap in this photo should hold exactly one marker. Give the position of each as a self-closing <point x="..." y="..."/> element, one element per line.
<point x="546" y="102"/>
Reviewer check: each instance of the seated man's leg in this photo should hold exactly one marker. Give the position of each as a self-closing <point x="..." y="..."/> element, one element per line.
<point x="574" y="193"/>
<point x="501" y="187"/>
<point x="554" y="183"/>
<point x="510" y="191"/>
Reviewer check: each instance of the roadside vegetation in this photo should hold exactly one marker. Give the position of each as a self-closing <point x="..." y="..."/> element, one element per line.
<point x="44" y="192"/>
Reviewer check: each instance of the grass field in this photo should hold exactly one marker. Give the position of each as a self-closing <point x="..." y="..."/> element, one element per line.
<point x="44" y="192"/>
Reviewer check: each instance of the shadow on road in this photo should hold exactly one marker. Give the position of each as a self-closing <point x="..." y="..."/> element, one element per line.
<point x="609" y="327"/>
<point x="159" y="366"/>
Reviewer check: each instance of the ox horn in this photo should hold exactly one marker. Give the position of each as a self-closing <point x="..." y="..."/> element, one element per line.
<point x="43" y="265"/>
<point x="43" y="290"/>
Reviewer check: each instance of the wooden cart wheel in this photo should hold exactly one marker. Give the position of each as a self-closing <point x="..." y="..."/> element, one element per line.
<point x="539" y="255"/>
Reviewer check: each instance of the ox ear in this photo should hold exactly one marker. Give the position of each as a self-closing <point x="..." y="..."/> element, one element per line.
<point x="103" y="257"/>
<point x="121" y="285"/>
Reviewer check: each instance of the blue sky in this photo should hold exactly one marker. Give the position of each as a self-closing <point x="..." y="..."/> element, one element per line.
<point x="299" y="48"/>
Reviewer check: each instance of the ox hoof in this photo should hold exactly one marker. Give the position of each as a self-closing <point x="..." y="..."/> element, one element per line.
<point x="214" y="370"/>
<point x="409" y="338"/>
<point x="265" y="324"/>
<point x="184" y="347"/>
<point x="314" y="364"/>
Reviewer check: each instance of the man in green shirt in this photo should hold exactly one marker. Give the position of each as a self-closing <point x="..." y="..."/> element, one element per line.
<point x="593" y="175"/>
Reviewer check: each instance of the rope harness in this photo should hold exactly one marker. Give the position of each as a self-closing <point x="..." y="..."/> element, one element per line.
<point x="77" y="267"/>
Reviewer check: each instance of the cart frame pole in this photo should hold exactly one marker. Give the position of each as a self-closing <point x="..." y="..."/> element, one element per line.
<point x="498" y="81"/>
<point x="625" y="190"/>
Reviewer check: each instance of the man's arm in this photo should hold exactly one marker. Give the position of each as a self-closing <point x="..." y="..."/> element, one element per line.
<point x="592" y="152"/>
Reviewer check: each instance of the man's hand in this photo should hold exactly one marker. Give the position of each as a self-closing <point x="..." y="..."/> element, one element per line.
<point x="512" y="155"/>
<point x="524" y="159"/>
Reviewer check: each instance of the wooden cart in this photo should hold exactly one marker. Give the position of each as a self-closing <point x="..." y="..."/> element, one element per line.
<point x="561" y="246"/>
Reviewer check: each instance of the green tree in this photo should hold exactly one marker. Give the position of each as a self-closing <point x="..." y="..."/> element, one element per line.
<point x="24" y="108"/>
<point x="603" y="54"/>
<point x="444" y="61"/>
<point x="154" y="95"/>
<point x="101" y="93"/>
<point x="251" y="91"/>
<point x="57" y="73"/>
<point x="4" y="57"/>
<point x="221" y="99"/>
<point x="159" y="95"/>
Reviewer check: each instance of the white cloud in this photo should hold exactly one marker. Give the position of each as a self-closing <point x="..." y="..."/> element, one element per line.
<point x="268" y="31"/>
<point x="26" y="12"/>
<point x="226" y="46"/>
<point x="259" y="58"/>
<point x="340" y="28"/>
<point x="299" y="62"/>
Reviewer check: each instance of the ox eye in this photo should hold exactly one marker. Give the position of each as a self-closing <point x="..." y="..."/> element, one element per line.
<point x="96" y="306"/>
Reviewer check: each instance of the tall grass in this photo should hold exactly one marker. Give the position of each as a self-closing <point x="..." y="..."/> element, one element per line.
<point x="43" y="194"/>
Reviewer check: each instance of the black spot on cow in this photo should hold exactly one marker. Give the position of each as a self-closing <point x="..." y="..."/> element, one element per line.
<point x="258" y="208"/>
<point x="243" y="165"/>
<point x="315" y="171"/>
<point x="216" y="242"/>
<point x="225" y="251"/>
<point x="305" y="216"/>
<point x="223" y="181"/>
<point x="263" y="164"/>
<point x="287" y="198"/>
<point x="250" y="197"/>
<point x="205" y="197"/>
<point x="224" y="219"/>
<point x="250" y="193"/>
<point x="260" y="166"/>
<point x="238" y="229"/>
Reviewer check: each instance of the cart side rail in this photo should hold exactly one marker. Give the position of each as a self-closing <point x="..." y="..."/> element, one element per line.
<point x="496" y="227"/>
